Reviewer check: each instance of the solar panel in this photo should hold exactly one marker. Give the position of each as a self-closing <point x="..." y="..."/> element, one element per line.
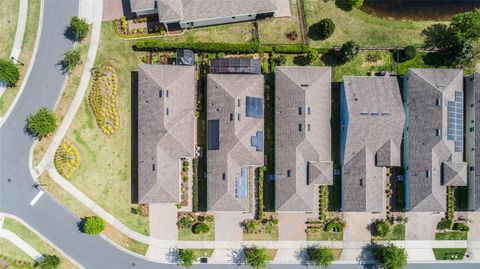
<point x="257" y="141"/>
<point x="213" y="127"/>
<point x="254" y="107"/>
<point x="241" y="190"/>
<point x="455" y="121"/>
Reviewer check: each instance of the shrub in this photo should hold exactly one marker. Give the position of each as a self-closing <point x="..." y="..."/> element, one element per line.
<point x="409" y="52"/>
<point x="281" y="60"/>
<point x="201" y="228"/>
<point x="312" y="56"/>
<point x="9" y="72"/>
<point x="123" y="23"/>
<point x="261" y="205"/>
<point x="292" y="35"/>
<point x="459" y="226"/>
<point x="445" y="224"/>
<point x="382" y="228"/>
<point x="323" y="204"/>
<point x="256" y="257"/>
<point x="185" y="222"/>
<point x="195" y="185"/>
<point x="251" y="225"/>
<point x="93" y="225"/>
<point x="450" y="202"/>
<point x="186" y="257"/>
<point x="71" y="59"/>
<point x="42" y="123"/>
<point x="48" y="262"/>
<point x="79" y="27"/>
<point x="321" y="256"/>
<point x="390" y="256"/>
<point x="348" y="51"/>
<point x="331" y="226"/>
<point x="325" y="28"/>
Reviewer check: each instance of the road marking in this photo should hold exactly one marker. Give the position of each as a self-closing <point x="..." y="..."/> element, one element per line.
<point x="34" y="201"/>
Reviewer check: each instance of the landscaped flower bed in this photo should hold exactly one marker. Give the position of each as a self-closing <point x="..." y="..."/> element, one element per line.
<point x="184" y="187"/>
<point x="103" y="99"/>
<point x="196" y="226"/>
<point x="139" y="27"/>
<point x="264" y="229"/>
<point x="319" y="231"/>
<point x="67" y="158"/>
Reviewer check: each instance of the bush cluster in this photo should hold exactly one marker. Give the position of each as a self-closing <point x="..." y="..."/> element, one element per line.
<point x="103" y="99"/>
<point x="322" y="256"/>
<point x="9" y="72"/>
<point x="390" y="256"/>
<point x="331" y="226"/>
<point x="460" y="226"/>
<point x="382" y="228"/>
<point x="48" y="262"/>
<point x="186" y="257"/>
<point x="445" y="224"/>
<point x="256" y="257"/>
<point x="185" y="222"/>
<point x="323" y="204"/>
<point x="79" y="27"/>
<point x="71" y="59"/>
<point x="159" y="45"/>
<point x="42" y="123"/>
<point x="201" y="228"/>
<point x="195" y="184"/>
<point x="451" y="203"/>
<point x="261" y="205"/>
<point x="348" y="51"/>
<point x="67" y="158"/>
<point x="93" y="225"/>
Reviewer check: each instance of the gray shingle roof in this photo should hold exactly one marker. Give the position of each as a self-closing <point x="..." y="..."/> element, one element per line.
<point x="473" y="84"/>
<point x="428" y="146"/>
<point x="372" y="124"/>
<point x="169" y="10"/>
<point x="139" y="5"/>
<point x="224" y="92"/>
<point x="455" y="174"/>
<point x="303" y="96"/>
<point x="164" y="137"/>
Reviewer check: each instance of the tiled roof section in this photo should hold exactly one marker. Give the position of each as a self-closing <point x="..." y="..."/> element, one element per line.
<point x="428" y="146"/>
<point x="165" y="119"/>
<point x="476" y="85"/>
<point x="372" y="140"/>
<point x="455" y="174"/>
<point x="197" y="10"/>
<point x="170" y="10"/>
<point x="302" y="135"/>
<point x="139" y="5"/>
<point x="224" y="94"/>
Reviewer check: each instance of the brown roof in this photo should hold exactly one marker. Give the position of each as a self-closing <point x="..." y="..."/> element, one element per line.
<point x="166" y="100"/>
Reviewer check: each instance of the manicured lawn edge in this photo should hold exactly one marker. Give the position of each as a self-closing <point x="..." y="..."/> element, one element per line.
<point x="442" y="253"/>
<point x="8" y="250"/>
<point x="451" y="235"/>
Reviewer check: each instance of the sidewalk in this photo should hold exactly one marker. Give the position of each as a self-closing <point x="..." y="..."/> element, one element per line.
<point x="24" y="246"/>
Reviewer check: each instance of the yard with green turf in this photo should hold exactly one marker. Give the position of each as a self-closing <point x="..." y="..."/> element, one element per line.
<point x="8" y="249"/>
<point x="8" y="26"/>
<point x="449" y="253"/>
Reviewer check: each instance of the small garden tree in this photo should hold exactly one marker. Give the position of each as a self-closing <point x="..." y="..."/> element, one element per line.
<point x="42" y="123"/>
<point x="48" y="262"/>
<point x="409" y="52"/>
<point x="256" y="257"/>
<point x="201" y="228"/>
<point x="382" y="228"/>
<point x="93" y="225"/>
<point x="9" y="72"/>
<point x="79" y="27"/>
<point x="186" y="257"/>
<point x="325" y="28"/>
<point x="348" y="51"/>
<point x="390" y="256"/>
<point x="71" y="59"/>
<point x="321" y="256"/>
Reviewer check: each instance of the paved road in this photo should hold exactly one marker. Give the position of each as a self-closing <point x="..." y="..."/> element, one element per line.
<point x="16" y="191"/>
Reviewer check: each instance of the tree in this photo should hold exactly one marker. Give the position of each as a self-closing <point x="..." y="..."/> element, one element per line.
<point x="321" y="256"/>
<point x="382" y="228"/>
<point x="201" y="228"/>
<point x="48" y="262"/>
<point x="93" y="225"/>
<point x="186" y="257"/>
<point x="390" y="256"/>
<point x="348" y="51"/>
<point x="409" y="52"/>
<point x="79" y="27"/>
<point x="467" y="25"/>
<point x="42" y="123"/>
<point x="325" y="28"/>
<point x="72" y="59"/>
<point x="256" y="257"/>
<point x="9" y="72"/>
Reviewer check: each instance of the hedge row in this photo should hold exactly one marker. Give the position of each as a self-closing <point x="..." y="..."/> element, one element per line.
<point x="158" y="45"/>
<point x="195" y="184"/>
<point x="261" y="205"/>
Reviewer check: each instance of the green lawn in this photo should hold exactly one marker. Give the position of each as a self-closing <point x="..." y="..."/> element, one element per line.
<point x="8" y="26"/>
<point x="263" y="235"/>
<point x="451" y="235"/>
<point x="321" y="235"/>
<point x="105" y="173"/>
<point x="398" y="233"/>
<point x="421" y="60"/>
<point x="449" y="253"/>
<point x="11" y="251"/>
<point x="360" y="66"/>
<point x="202" y="252"/>
<point x="274" y="30"/>
<point x="27" y="47"/>
<point x="187" y="234"/>
<point x="365" y="29"/>
<point x="36" y="242"/>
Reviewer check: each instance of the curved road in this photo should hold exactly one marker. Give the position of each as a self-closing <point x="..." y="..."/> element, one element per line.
<point x="16" y="191"/>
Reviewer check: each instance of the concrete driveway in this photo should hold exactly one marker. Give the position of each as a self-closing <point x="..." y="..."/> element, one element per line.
<point x="357" y="225"/>
<point x="291" y="226"/>
<point x="421" y="225"/>
<point x="228" y="225"/>
<point x="163" y="221"/>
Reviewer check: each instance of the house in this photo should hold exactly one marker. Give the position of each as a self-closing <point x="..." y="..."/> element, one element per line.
<point x="236" y="66"/>
<point x="198" y="13"/>
<point x="434" y="143"/>
<point x="472" y="139"/>
<point x="235" y="131"/>
<point x="166" y="101"/>
<point x="302" y="137"/>
<point x="372" y="121"/>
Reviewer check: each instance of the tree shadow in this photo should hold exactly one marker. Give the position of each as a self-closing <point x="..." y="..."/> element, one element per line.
<point x="343" y="5"/>
<point x="81" y="225"/>
<point x="70" y="34"/>
<point x="366" y="258"/>
<point x="134" y="137"/>
<point x="172" y="255"/>
<point x="237" y="256"/>
<point x="329" y="58"/>
<point x="302" y="256"/>
<point x="300" y="60"/>
<point x="433" y="59"/>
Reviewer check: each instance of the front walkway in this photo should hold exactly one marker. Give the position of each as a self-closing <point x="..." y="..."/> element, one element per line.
<point x="24" y="246"/>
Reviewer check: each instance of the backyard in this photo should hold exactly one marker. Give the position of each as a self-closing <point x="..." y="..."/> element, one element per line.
<point x="275" y="30"/>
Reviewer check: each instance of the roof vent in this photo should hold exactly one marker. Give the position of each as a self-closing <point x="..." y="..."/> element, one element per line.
<point x="304" y="85"/>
